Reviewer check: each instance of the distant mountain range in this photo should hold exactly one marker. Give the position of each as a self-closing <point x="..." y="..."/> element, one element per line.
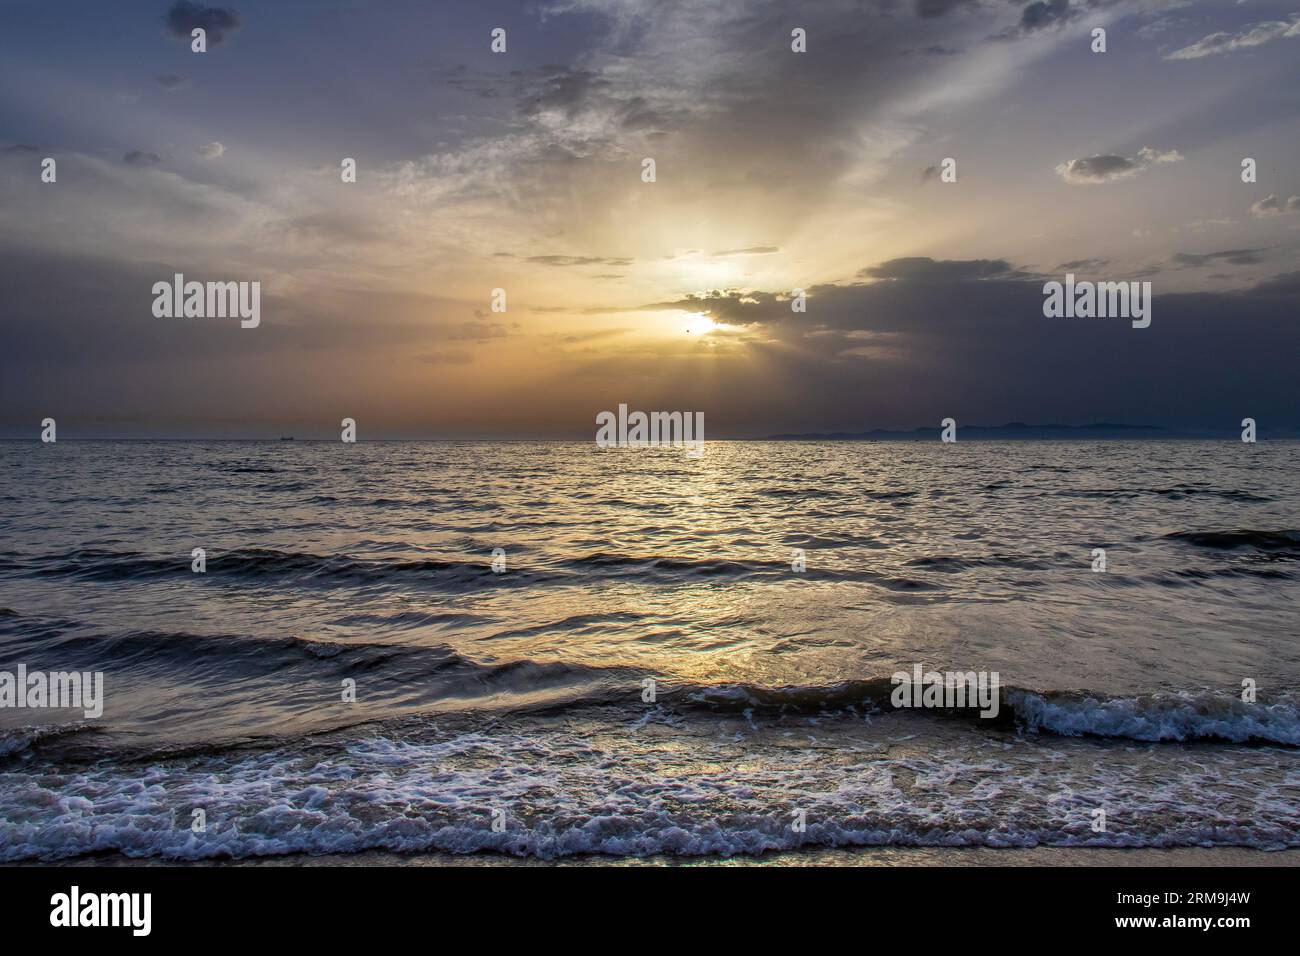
<point x="1100" y="431"/>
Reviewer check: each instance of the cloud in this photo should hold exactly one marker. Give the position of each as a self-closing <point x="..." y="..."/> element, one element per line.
<point x="172" y="81"/>
<point x="138" y="207"/>
<point x="1109" y="168"/>
<point x="733" y="133"/>
<point x="1256" y="35"/>
<point x="585" y="111"/>
<point x="1272" y="206"/>
<point x="184" y="17"/>
<point x="902" y="352"/>
<point x="1083" y="265"/>
<point x="578" y="261"/>
<point x="1236" y="257"/>
<point x="1149" y="156"/>
<point x="750" y="251"/>
<point x="211" y="150"/>
<point x="140" y="157"/>
<point x="474" y="331"/>
<point x="1160" y="25"/>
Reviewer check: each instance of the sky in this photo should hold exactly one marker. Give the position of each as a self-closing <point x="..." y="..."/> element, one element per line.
<point x="774" y="171"/>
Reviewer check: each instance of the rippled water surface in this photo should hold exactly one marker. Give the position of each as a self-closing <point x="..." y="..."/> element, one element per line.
<point x="522" y="691"/>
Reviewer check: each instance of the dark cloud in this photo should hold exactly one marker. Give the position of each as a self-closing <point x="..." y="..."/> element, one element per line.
<point x="939" y="8"/>
<point x="1049" y="14"/>
<point x="172" y="81"/>
<point x="1107" y="168"/>
<point x="931" y="270"/>
<point x="1284" y="286"/>
<point x="1235" y="257"/>
<point x="945" y="342"/>
<point x="1045" y="13"/>
<point x="93" y="288"/>
<point x="1098" y="168"/>
<point x="559" y="88"/>
<point x="184" y="17"/>
<point x="140" y="157"/>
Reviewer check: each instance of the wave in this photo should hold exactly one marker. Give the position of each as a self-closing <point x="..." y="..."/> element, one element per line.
<point x="1153" y="718"/>
<point x="23" y="740"/>
<point x="1176" y="493"/>
<point x="421" y="675"/>
<point x="1284" y="542"/>
<point x="271" y="567"/>
<point x="264" y="565"/>
<point x="953" y="562"/>
<point x="233" y="469"/>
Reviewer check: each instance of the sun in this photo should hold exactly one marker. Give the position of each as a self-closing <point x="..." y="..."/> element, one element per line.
<point x="697" y="323"/>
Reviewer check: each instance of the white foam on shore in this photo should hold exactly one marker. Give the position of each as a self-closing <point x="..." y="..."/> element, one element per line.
<point x="639" y="794"/>
<point x="1174" y="717"/>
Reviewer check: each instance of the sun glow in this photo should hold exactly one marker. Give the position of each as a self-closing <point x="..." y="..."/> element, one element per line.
<point x="698" y="323"/>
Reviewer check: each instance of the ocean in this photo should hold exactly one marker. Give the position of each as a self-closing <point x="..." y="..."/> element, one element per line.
<point x="644" y="672"/>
